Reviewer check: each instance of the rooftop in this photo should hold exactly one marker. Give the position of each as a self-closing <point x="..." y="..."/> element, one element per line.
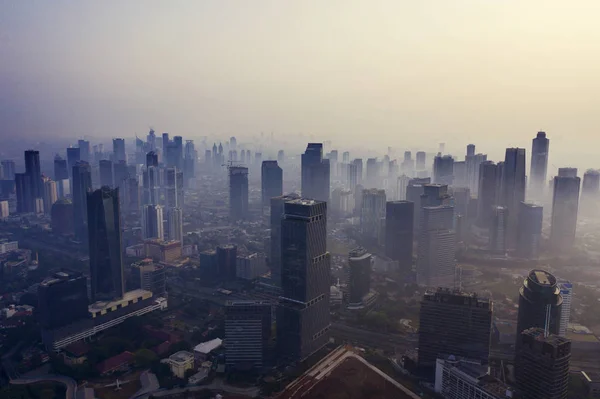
<point x="181" y="357"/>
<point x="542" y="277"/>
<point x="208" y="346"/>
<point x="128" y="296"/>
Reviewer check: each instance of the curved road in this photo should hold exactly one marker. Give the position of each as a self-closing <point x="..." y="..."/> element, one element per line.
<point x="68" y="382"/>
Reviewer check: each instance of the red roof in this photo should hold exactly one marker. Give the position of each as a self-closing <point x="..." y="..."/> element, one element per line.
<point x="161" y="349"/>
<point x="115" y="362"/>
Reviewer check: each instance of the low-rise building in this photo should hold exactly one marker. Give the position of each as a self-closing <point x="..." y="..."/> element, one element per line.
<point x="121" y="362"/>
<point x="163" y="251"/>
<point x="180" y="362"/>
<point x="201" y="351"/>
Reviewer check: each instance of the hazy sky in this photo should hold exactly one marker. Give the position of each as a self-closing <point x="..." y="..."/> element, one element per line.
<point x="405" y="72"/>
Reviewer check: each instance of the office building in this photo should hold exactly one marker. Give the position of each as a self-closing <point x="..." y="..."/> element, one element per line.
<point x="247" y="334"/>
<point x="566" y="292"/>
<point x="399" y="230"/>
<point x="359" y="276"/>
<point x="84" y="150"/>
<point x="189" y="161"/>
<point x="62" y="217"/>
<point x="460" y="378"/>
<point x="62" y="299"/>
<point x="171" y="184"/>
<point x="8" y="169"/>
<point x="373" y="172"/>
<point x="165" y="143"/>
<point x="73" y="157"/>
<point x="443" y="169"/>
<point x="488" y="183"/>
<point x="82" y="184"/>
<point x="280" y="156"/>
<point x="277" y="211"/>
<point x="421" y="160"/>
<point x="271" y="181"/>
<point x="32" y="169"/>
<point x="542" y="365"/>
<point x="513" y="189"/>
<point x="565" y="207"/>
<point x="106" y="256"/>
<point x="303" y="319"/>
<point x="50" y="194"/>
<point x="250" y="267"/>
<point x="539" y="163"/>
<point x="162" y="251"/>
<point x="209" y="265"/>
<point x="131" y="195"/>
<point x="436" y="250"/>
<point x="315" y="173"/>
<point x="25" y="199"/>
<point x="150" y="276"/>
<point x="530" y="230"/>
<point x="238" y="193"/>
<point x="414" y="191"/>
<point x="106" y="173"/>
<point x="61" y="170"/>
<point x="358" y="163"/>
<point x="459" y="173"/>
<point x="372" y="213"/>
<point x="453" y="322"/>
<point x="120" y="174"/>
<point x="498" y="230"/>
<point x="152" y="222"/>
<point x="591" y="184"/>
<point x="151" y="185"/>
<point x="4" y="209"/>
<point x="539" y="302"/>
<point x="175" y="224"/>
<point x="227" y="262"/>
<point x="473" y="168"/>
<point x="119" y="150"/>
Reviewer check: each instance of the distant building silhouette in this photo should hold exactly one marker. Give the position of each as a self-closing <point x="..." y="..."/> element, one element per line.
<point x="315" y="173"/>
<point x="238" y="193"/>
<point x="530" y="230"/>
<point x="399" y="230"/>
<point x="82" y="184"/>
<point x="539" y="162"/>
<point x="271" y="181"/>
<point x="565" y="207"/>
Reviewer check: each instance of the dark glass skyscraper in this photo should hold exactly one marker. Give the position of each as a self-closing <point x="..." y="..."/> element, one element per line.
<point x="277" y="211"/>
<point x="303" y="319"/>
<point x="73" y="156"/>
<point x="8" y="169"/>
<point x="513" y="189"/>
<point x="226" y="262"/>
<point x="84" y="150"/>
<point x="399" y="230"/>
<point x="82" y="184"/>
<point x="565" y="206"/>
<point x="61" y="170"/>
<point x="539" y="162"/>
<point x="119" y="150"/>
<point x="530" y="230"/>
<point x="32" y="169"/>
<point x="443" y="169"/>
<point x="359" y="275"/>
<point x="106" y="173"/>
<point x="488" y="178"/>
<point x="315" y="173"/>
<point x="25" y="198"/>
<point x="247" y="333"/>
<point x="539" y="297"/>
<point x="238" y="193"/>
<point x="106" y="257"/>
<point x="62" y="299"/>
<point x="271" y="181"/>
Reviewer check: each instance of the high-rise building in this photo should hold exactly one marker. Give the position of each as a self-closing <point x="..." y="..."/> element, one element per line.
<point x="421" y="159"/>
<point x="498" y="230"/>
<point x="591" y="184"/>
<point x="151" y="185"/>
<point x="373" y="172"/>
<point x="73" y="156"/>
<point x="62" y="299"/>
<point x="473" y="165"/>
<point x="565" y="206"/>
<point x="566" y="292"/>
<point x="171" y="184"/>
<point x="8" y="169"/>
<point x="280" y="156"/>
<point x="227" y="262"/>
<point x="61" y="170"/>
<point x="32" y="169"/>
<point x="436" y="250"/>
<point x="271" y="181"/>
<point x="84" y="150"/>
<point x="513" y="189"/>
<point x="459" y="173"/>
<point x="247" y="334"/>
<point x="82" y="184"/>
<point x="150" y="276"/>
<point x="175" y="216"/>
<point x="540" y="302"/>
<point x="120" y="173"/>
<point x="399" y="230"/>
<point x="414" y="191"/>
<point x="359" y="170"/>
<point x="132" y="195"/>
<point x="62" y="217"/>
<point x="50" y="195"/>
<point x="277" y="211"/>
<point x="106" y="256"/>
<point x="152" y="222"/>
<point x="25" y="199"/>
<point x="372" y="213"/>
<point x="453" y="322"/>
<point x="189" y="160"/>
<point x="359" y="276"/>
<point x="303" y="319"/>
<point x="530" y="230"/>
<point x="251" y="266"/>
<point x="238" y="193"/>
<point x="542" y="365"/>
<point x="151" y="159"/>
<point x="165" y="143"/>
<point x="119" y="150"/>
<point x="488" y="179"/>
<point x="4" y="209"/>
<point x="106" y="173"/>
<point x="539" y="162"/>
<point x="443" y="169"/>
<point x="315" y="173"/>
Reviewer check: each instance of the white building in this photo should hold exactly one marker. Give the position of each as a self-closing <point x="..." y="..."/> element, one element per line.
<point x="180" y="362"/>
<point x="8" y="246"/>
<point x="566" y="291"/>
<point x="50" y="195"/>
<point x="152" y="222"/>
<point x="4" y="209"/>
<point x="176" y="224"/>
<point x="201" y="351"/>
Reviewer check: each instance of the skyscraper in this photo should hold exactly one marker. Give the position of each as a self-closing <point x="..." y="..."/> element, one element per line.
<point x="25" y="197"/>
<point x="539" y="302"/>
<point x="271" y="181"/>
<point x="436" y="250"/>
<point x="591" y="184"/>
<point x="227" y="262"/>
<point x="303" y="319"/>
<point x="151" y="159"/>
<point x="539" y="162"/>
<point x="399" y="230"/>
<point x="530" y="230"/>
<point x="443" y="169"/>
<point x="566" y="292"/>
<point x="32" y="169"/>
<point x="62" y="299"/>
<point x="359" y="170"/>
<point x="61" y="170"/>
<point x="50" y="195"/>
<point x="106" y="173"/>
<point x="565" y="206"/>
<point x="151" y="185"/>
<point x="175" y="224"/>
<point x="132" y="195"/>
<point x="84" y="150"/>
<point x="488" y="179"/>
<point x="359" y="275"/>
<point x="453" y="322"/>
<point x="238" y="193"/>
<point x="152" y="222"/>
<point x="498" y="230"/>
<point x="82" y="184"/>
<point x="120" y="174"/>
<point x="119" y="150"/>
<point x="513" y="189"/>
<point x="73" y="156"/>
<point x="8" y="169"/>
<point x="106" y="257"/>
<point x="277" y="211"/>
<point x="372" y="213"/>
<point x="473" y="165"/>
<point x="247" y="334"/>
<point x="421" y="159"/>
<point x="62" y="217"/>
<point x="315" y="173"/>
<point x="170" y="183"/>
<point x="542" y="365"/>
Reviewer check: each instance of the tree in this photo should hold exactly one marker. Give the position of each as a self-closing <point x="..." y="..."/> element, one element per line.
<point x="144" y="358"/>
<point x="179" y="346"/>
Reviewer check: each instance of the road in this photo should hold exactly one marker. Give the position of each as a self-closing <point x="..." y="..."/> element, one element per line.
<point x="374" y="339"/>
<point x="217" y="385"/>
<point x="68" y="382"/>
